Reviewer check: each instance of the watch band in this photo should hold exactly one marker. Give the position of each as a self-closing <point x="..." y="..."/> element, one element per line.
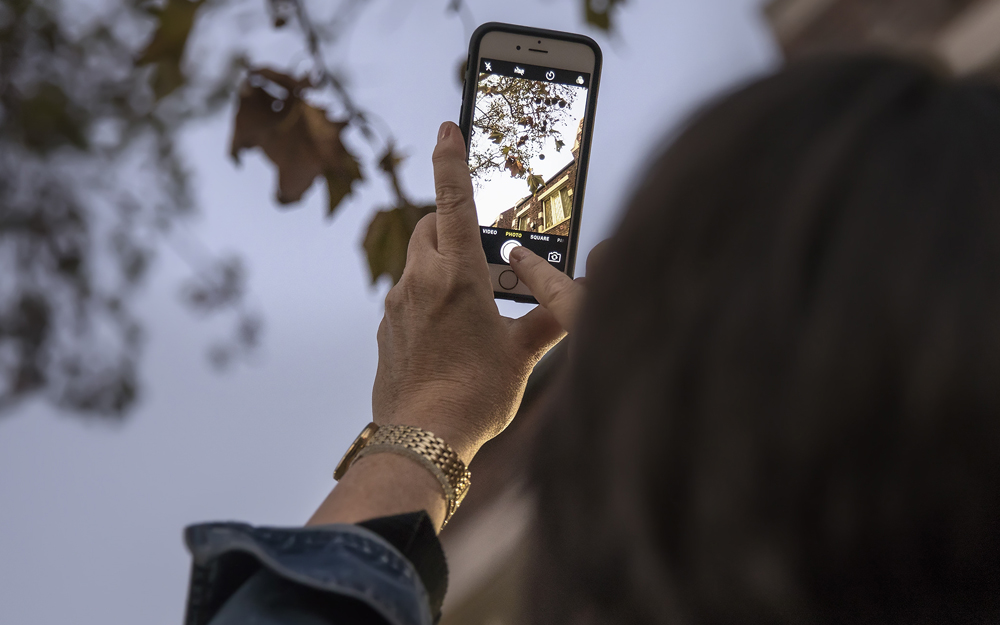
<point x="419" y="445"/>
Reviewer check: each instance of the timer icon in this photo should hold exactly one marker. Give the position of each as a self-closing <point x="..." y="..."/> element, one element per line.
<point x="550" y="75"/>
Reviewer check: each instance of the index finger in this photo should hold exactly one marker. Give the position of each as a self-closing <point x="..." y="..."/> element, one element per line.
<point x="457" y="221"/>
<point x="554" y="290"/>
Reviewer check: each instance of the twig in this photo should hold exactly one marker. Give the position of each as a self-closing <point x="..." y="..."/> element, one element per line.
<point x="361" y="118"/>
<point x="464" y="13"/>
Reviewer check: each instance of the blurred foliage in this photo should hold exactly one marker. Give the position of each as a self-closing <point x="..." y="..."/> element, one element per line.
<point x="92" y="187"/>
<point x="599" y="13"/>
<point x="165" y="49"/>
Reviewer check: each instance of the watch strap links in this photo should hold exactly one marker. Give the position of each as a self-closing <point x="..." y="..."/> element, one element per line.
<point x="423" y="447"/>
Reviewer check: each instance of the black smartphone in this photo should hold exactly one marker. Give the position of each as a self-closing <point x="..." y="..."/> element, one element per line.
<point x="528" y="115"/>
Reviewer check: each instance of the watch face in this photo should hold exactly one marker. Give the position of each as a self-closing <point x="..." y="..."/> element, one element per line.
<point x="352" y="451"/>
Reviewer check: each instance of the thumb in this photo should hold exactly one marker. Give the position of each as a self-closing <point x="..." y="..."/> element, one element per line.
<point x="554" y="290"/>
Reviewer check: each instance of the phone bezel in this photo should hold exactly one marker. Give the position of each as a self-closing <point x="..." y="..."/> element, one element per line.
<point x="567" y="51"/>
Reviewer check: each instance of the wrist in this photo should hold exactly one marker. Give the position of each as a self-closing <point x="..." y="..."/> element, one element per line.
<point x="382" y="485"/>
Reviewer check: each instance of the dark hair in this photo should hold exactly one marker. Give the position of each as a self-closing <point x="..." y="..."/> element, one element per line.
<point x="783" y="398"/>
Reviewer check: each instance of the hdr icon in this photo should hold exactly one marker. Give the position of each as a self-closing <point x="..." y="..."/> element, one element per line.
<point x="555" y="257"/>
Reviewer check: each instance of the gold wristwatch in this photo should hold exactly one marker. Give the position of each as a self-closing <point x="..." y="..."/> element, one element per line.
<point x="431" y="452"/>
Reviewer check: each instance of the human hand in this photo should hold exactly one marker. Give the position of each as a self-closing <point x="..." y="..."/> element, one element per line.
<point x="448" y="361"/>
<point x="554" y="290"/>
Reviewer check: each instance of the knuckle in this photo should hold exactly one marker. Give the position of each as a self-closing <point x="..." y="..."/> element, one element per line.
<point x="427" y="222"/>
<point x="419" y="239"/>
<point x="414" y="290"/>
<point x="450" y="195"/>
<point x="394" y="299"/>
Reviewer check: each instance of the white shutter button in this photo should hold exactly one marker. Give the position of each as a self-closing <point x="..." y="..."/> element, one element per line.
<point x="505" y="249"/>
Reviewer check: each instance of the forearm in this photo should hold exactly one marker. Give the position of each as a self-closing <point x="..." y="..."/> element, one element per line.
<point x="382" y="485"/>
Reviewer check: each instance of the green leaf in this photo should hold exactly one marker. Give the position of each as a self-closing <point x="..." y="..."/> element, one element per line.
<point x="496" y="137"/>
<point x="388" y="237"/>
<point x="559" y="145"/>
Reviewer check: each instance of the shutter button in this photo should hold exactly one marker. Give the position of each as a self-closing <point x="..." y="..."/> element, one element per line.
<point x="505" y="249"/>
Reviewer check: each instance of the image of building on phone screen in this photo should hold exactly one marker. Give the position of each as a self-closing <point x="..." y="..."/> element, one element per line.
<point x="524" y="151"/>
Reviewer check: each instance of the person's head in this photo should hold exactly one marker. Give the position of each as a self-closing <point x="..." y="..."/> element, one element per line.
<point x="783" y="398"/>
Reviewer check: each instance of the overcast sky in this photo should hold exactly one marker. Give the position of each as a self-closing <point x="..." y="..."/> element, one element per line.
<point x="91" y="514"/>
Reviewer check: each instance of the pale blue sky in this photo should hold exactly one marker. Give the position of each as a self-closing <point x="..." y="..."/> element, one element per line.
<point x="91" y="514"/>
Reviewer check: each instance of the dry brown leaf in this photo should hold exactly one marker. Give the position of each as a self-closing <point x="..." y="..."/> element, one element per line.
<point x="515" y="166"/>
<point x="296" y="136"/>
<point x="388" y="237"/>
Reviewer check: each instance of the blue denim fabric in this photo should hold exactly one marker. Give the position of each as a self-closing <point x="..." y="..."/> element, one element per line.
<point x="244" y="574"/>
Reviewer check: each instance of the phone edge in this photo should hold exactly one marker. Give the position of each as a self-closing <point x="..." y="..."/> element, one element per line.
<point x="465" y="122"/>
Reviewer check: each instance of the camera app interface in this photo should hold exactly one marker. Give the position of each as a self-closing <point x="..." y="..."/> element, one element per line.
<point x="523" y="155"/>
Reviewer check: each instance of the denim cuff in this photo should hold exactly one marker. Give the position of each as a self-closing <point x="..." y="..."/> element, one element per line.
<point x="343" y="560"/>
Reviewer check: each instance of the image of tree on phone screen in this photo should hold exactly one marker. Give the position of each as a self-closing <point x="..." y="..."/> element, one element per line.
<point x="523" y="152"/>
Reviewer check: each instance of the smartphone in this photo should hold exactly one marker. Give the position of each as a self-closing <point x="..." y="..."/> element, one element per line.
<point x="528" y="115"/>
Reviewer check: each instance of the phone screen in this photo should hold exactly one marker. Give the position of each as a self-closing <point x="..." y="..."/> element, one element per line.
<point x="524" y="154"/>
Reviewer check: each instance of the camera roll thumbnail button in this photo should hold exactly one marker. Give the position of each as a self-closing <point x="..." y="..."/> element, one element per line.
<point x="505" y="249"/>
<point x="508" y="279"/>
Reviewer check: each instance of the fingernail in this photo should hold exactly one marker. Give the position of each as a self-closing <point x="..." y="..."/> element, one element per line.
<point x="444" y="131"/>
<point x="519" y="253"/>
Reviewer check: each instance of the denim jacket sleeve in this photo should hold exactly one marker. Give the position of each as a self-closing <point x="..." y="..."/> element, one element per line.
<point x="388" y="571"/>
